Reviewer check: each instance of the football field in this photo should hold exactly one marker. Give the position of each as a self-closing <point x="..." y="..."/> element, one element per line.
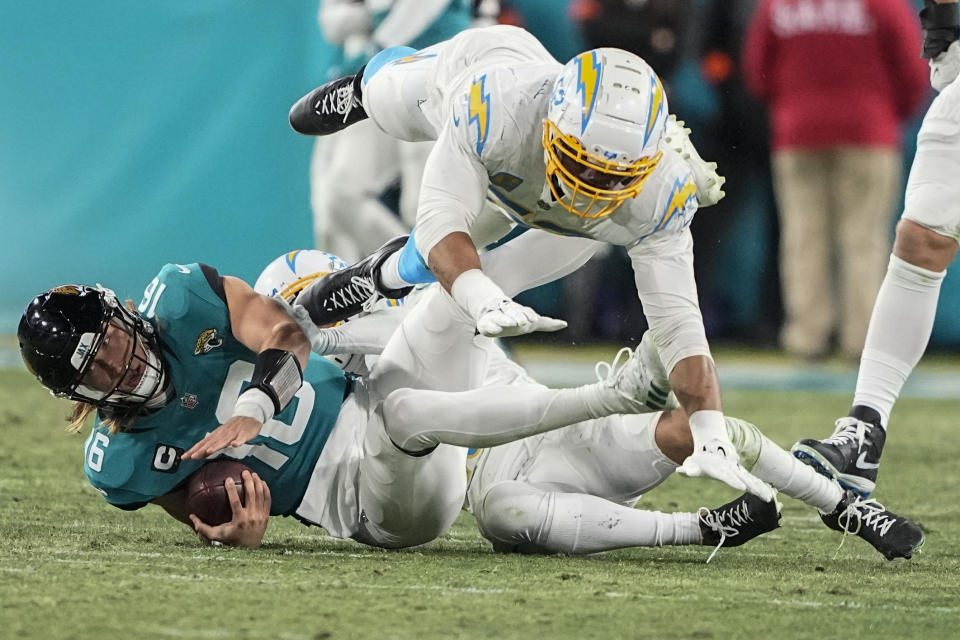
<point x="72" y="566"/>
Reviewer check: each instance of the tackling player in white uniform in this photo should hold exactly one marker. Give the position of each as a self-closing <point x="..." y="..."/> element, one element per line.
<point x="573" y="490"/>
<point x="926" y="244"/>
<point x="575" y="150"/>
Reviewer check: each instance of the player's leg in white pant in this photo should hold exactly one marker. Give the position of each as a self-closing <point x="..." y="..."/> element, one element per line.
<point x="407" y="500"/>
<point x="410" y="497"/>
<point x="926" y="244"/>
<point x="398" y="93"/>
<point x="530" y="518"/>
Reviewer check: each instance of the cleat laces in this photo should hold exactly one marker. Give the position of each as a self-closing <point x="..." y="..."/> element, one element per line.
<point x="615" y="375"/>
<point x="341" y="101"/>
<point x="726" y="522"/>
<point x="848" y="430"/>
<point x="360" y="291"/>
<point x="864" y="513"/>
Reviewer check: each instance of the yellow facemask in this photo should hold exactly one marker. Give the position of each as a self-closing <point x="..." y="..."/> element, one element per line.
<point x="593" y="183"/>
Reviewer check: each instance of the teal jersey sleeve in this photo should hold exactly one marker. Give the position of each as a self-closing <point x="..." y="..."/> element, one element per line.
<point x="208" y="369"/>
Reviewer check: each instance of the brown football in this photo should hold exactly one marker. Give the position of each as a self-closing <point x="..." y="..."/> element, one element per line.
<point x="207" y="497"/>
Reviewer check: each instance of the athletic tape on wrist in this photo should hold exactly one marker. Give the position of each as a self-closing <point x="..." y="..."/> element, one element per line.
<point x="254" y="403"/>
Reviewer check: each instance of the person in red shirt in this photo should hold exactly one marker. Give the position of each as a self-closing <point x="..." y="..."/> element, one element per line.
<point x="839" y="77"/>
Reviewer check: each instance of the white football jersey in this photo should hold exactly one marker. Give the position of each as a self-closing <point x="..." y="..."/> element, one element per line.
<point x="494" y="93"/>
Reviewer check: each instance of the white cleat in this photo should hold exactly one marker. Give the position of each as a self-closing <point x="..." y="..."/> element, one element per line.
<point x="659" y="396"/>
<point x="709" y="182"/>
<point x="635" y="381"/>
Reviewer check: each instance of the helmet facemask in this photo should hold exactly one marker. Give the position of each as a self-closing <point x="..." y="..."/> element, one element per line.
<point x="63" y="332"/>
<point x="602" y="134"/>
<point x="142" y="374"/>
<point x="586" y="184"/>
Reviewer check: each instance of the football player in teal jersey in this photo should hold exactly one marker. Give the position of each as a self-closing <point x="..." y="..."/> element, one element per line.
<point x="206" y="367"/>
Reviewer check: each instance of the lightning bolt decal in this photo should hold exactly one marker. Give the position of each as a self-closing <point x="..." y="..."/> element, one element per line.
<point x="480" y="111"/>
<point x="656" y="106"/>
<point x="292" y="260"/>
<point x="414" y="57"/>
<point x="683" y="191"/>
<point x="588" y="82"/>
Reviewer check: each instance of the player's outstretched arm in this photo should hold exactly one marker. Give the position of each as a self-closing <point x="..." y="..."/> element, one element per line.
<point x="455" y="262"/>
<point x="282" y="349"/>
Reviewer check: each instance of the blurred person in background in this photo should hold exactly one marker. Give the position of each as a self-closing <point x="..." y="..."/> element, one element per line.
<point x="350" y="173"/>
<point x="925" y="245"/>
<point x="653" y="29"/>
<point x="839" y="78"/>
<point x="736" y="255"/>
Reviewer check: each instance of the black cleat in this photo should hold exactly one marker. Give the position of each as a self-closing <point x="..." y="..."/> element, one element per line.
<point x="329" y="108"/>
<point x="892" y="535"/>
<point x="343" y="294"/>
<point x="851" y="455"/>
<point x="738" y="522"/>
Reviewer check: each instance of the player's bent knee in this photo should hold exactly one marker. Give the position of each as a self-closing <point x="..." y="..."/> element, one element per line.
<point x="923" y="247"/>
<point x="513" y="516"/>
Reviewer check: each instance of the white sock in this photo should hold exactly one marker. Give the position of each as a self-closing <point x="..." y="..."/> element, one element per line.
<point x="534" y="519"/>
<point x="390" y="273"/>
<point x="899" y="330"/>
<point x="766" y="460"/>
<point x="582" y="523"/>
<point x="795" y="479"/>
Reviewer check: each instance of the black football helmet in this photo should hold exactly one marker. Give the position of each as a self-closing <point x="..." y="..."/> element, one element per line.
<point x="61" y="332"/>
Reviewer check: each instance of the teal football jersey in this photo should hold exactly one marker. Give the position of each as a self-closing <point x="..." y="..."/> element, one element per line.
<point x="209" y="368"/>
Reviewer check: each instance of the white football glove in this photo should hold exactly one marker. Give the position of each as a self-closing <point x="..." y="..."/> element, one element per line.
<point x="718" y="459"/>
<point x="945" y="67"/>
<point x="504" y="318"/>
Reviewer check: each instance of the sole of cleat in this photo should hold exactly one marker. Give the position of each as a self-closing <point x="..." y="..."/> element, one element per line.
<point x="813" y="459"/>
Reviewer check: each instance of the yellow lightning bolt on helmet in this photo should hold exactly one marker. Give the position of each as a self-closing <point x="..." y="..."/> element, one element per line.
<point x="602" y="134"/>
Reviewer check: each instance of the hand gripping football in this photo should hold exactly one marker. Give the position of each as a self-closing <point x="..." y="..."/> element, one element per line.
<point x="207" y="497"/>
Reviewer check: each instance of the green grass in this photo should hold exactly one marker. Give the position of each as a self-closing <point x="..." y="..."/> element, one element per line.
<point x="71" y="566"/>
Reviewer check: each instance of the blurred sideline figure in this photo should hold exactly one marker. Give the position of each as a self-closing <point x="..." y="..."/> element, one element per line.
<point x="925" y="245"/>
<point x="839" y="77"/>
<point x="350" y="172"/>
<point x="579" y="155"/>
<point x="206" y="367"/>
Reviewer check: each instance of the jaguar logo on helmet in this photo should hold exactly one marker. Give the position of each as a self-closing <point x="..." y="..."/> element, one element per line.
<point x="207" y="341"/>
<point x="67" y="289"/>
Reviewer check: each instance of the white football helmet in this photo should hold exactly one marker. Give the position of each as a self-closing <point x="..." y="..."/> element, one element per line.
<point x="603" y="130"/>
<point x="289" y="274"/>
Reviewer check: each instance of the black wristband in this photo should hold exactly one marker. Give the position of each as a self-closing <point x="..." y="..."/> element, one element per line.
<point x="277" y="373"/>
<point x="941" y="27"/>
